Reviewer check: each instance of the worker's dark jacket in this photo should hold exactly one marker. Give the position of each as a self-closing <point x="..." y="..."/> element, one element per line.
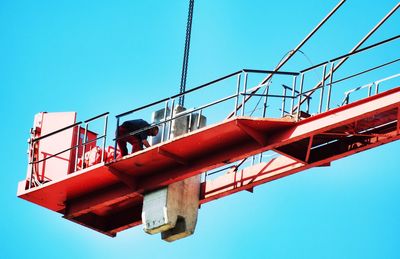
<point x="134" y="125"/>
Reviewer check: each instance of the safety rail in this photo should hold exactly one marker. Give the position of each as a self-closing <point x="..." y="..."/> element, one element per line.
<point x="288" y="92"/>
<point x="374" y="84"/>
<point x="78" y="144"/>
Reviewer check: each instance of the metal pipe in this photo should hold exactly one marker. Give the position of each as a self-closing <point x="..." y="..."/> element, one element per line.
<point x="291" y="54"/>
<point x="84" y="145"/>
<point x="293" y="93"/>
<point x="369" y="90"/>
<point x="198" y="119"/>
<point x="321" y="97"/>
<point x="181" y="115"/>
<point x="328" y="98"/>
<point x="78" y="133"/>
<point x="171" y="117"/>
<point x="190" y="122"/>
<point x="32" y="154"/>
<point x="356" y="47"/>
<point x="271" y="95"/>
<point x="283" y="101"/>
<point x="376" y="88"/>
<point x="96" y="117"/>
<point x="300" y="94"/>
<point x="237" y="94"/>
<point x="116" y="139"/>
<point x="177" y="95"/>
<point x="244" y="91"/>
<point x="164" y="119"/>
<point x="258" y="71"/>
<point x="265" y="101"/>
<point x="105" y="137"/>
<point x="55" y="132"/>
<point x="366" y="71"/>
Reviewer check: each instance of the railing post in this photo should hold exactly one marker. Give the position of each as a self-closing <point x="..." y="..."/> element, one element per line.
<point x="370" y="89"/>
<point x="321" y="97"/>
<point x="300" y="95"/>
<point x="237" y="93"/>
<point x="84" y="145"/>
<point x="376" y="87"/>
<point x="244" y="92"/>
<point x="172" y="115"/>
<point x="32" y="165"/>
<point x="116" y="139"/>
<point x="293" y="94"/>
<point x="328" y="99"/>
<point x="283" y="101"/>
<point x="105" y="137"/>
<point x="266" y="100"/>
<point x="165" y="118"/>
<point x="190" y="122"/>
<point x="78" y="134"/>
<point x="198" y="119"/>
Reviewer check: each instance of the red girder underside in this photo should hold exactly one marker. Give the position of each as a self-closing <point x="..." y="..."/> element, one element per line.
<point x="108" y="197"/>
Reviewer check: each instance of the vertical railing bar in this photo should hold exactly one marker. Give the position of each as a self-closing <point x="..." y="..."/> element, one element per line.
<point x="105" y="137"/>
<point x="265" y="101"/>
<point x="293" y="93"/>
<point x="261" y="155"/>
<point x="244" y="92"/>
<point x="165" y="118"/>
<point x="369" y="89"/>
<point x="300" y="94"/>
<point x="376" y="87"/>
<point x="116" y="139"/>
<point x="328" y="99"/>
<point x="84" y="145"/>
<point x="78" y="134"/>
<point x="32" y="149"/>
<point x="237" y="94"/>
<point x="283" y="101"/>
<point x="190" y="122"/>
<point x="321" y="97"/>
<point x="198" y="119"/>
<point x="171" y="117"/>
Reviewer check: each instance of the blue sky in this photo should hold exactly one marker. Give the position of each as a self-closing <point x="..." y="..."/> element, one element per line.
<point x="97" y="56"/>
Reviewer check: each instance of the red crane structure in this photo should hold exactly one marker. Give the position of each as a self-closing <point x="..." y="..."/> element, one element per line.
<point x="300" y="124"/>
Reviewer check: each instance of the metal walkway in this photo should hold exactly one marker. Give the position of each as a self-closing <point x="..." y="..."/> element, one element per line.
<point x="108" y="196"/>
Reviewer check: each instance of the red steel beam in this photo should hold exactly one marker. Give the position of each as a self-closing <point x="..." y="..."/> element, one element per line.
<point x="102" y="197"/>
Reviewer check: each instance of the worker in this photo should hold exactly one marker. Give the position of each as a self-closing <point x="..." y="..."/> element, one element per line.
<point x="137" y="140"/>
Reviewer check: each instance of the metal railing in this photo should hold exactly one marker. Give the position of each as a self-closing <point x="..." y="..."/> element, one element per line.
<point x="283" y="94"/>
<point x="76" y="127"/>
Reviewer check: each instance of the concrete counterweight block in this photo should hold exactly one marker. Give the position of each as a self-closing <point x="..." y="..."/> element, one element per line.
<point x="172" y="210"/>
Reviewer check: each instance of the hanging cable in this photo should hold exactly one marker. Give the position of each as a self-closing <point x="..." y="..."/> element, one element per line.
<point x="186" y="53"/>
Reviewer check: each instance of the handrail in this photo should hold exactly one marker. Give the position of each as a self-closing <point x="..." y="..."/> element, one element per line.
<point x="55" y="132"/>
<point x="178" y="95"/>
<point x="96" y="117"/>
<point x="179" y="115"/>
<point x="270" y="72"/>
